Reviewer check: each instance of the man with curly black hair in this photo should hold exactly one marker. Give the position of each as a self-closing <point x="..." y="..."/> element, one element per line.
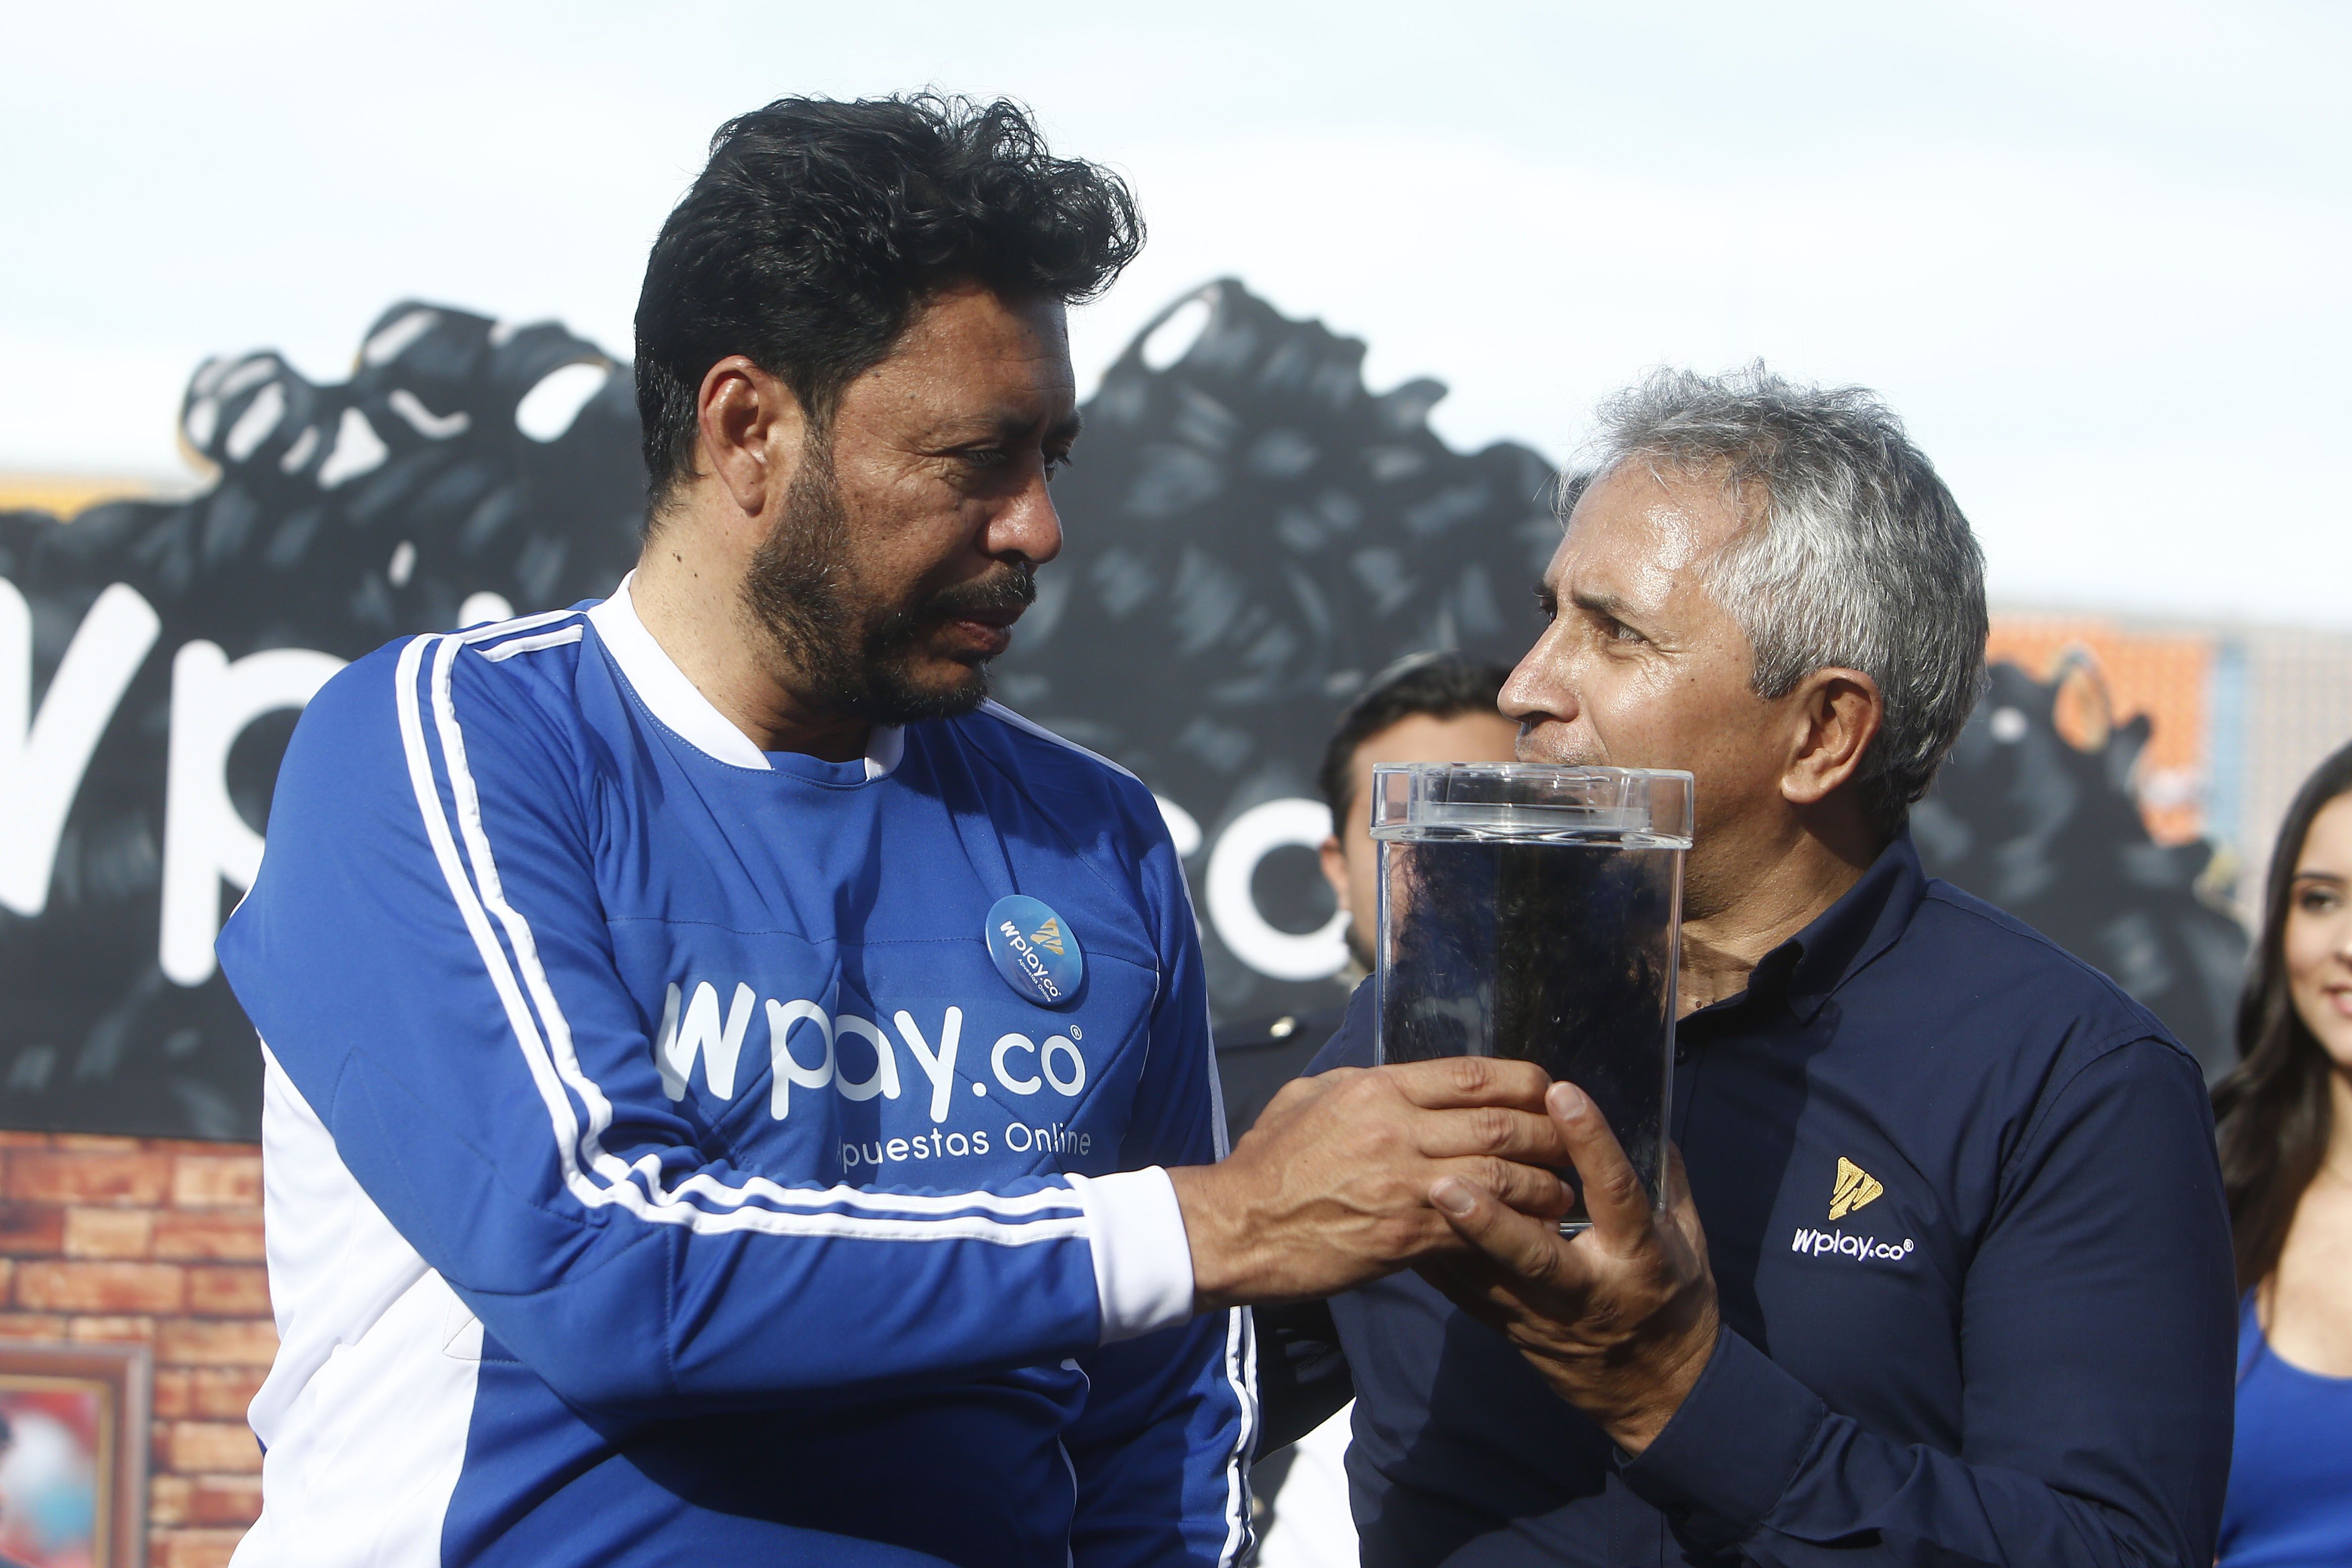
<point x="734" y="1095"/>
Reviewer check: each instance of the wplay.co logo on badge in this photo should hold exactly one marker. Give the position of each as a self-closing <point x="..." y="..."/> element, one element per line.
<point x="1035" y="951"/>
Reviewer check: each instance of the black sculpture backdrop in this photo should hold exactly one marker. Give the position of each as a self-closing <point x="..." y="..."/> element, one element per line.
<point x="343" y="516"/>
<point x="2051" y="832"/>
<point x="1252" y="533"/>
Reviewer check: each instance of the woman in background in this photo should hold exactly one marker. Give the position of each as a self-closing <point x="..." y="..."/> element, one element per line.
<point x="2286" y="1127"/>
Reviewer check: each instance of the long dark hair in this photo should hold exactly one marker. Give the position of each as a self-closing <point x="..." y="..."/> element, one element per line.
<point x="2272" y="1109"/>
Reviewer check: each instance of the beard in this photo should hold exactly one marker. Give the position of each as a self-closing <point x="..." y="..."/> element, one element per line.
<point x="856" y="650"/>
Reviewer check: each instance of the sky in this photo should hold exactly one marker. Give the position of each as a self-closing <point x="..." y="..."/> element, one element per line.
<point x="2094" y="254"/>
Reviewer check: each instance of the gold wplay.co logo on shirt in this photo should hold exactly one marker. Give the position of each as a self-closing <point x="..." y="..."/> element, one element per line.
<point x="1855" y="1187"/>
<point x="1049" y="936"/>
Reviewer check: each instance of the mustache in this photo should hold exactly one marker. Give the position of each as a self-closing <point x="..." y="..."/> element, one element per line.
<point x="1012" y="588"/>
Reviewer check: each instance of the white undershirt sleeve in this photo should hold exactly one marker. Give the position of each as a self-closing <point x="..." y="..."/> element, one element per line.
<point x="1143" y="1262"/>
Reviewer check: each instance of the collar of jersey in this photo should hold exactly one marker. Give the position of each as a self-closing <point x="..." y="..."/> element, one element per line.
<point x="671" y="698"/>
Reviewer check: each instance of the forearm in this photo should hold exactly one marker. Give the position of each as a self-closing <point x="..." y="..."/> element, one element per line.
<point x="1331" y="1188"/>
<point x="1754" y="1462"/>
<point x="659" y="1283"/>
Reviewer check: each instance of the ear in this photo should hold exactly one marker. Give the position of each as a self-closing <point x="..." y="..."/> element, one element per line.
<point x="1837" y="713"/>
<point x="751" y="426"/>
<point x="1334" y="861"/>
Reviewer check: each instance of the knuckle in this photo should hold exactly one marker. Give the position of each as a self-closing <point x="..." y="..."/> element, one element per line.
<point x="1490" y="1128"/>
<point x="1541" y="1267"/>
<point x="1621" y="1186"/>
<point x="1298" y="1090"/>
<point x="1498" y="1176"/>
<point x="1514" y="1187"/>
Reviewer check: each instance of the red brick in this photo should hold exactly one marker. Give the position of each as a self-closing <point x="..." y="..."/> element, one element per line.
<point x="229" y="1290"/>
<point x="211" y="1445"/>
<point x="226" y="1234"/>
<point x="89" y="1177"/>
<point x="216" y="1180"/>
<point x="225" y="1499"/>
<point x="95" y="1143"/>
<point x="191" y="1548"/>
<point x="221" y="1393"/>
<point x="252" y="1342"/>
<point x="31" y="1326"/>
<point x="90" y="1253"/>
<point x="112" y="1330"/>
<point x="101" y="1287"/>
<point x="168" y="1497"/>
<point x="108" y="1233"/>
<point x="32" y="1230"/>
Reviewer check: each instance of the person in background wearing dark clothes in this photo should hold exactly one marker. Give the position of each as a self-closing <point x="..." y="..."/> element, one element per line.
<point x="1425" y="708"/>
<point x="2286" y="1160"/>
<point x="1946" y="1277"/>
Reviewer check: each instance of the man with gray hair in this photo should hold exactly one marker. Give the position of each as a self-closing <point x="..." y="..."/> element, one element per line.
<point x="1943" y="1275"/>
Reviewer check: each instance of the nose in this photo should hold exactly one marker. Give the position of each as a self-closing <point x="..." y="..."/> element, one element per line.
<point x="1536" y="690"/>
<point x="1028" y="523"/>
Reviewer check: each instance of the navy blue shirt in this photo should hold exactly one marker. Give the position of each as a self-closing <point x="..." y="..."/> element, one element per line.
<point x="1967" y="1231"/>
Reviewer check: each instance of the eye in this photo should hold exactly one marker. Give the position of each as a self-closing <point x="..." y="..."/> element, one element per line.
<point x="2318" y="901"/>
<point x="1547" y="608"/>
<point x="1055" y="462"/>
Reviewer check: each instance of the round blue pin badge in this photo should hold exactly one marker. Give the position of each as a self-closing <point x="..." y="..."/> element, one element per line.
<point x="1035" y="950"/>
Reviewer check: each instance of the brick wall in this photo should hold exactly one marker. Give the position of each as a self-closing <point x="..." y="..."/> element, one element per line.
<point x="158" y="1241"/>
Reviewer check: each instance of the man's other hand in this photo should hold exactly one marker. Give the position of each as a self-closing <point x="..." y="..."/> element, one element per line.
<point x="1331" y="1187"/>
<point x="1620" y="1320"/>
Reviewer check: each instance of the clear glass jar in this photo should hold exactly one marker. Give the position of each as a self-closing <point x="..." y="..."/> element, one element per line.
<point x="1535" y="912"/>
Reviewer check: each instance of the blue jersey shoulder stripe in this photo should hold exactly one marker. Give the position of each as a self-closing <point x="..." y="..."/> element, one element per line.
<point x="544" y="1037"/>
<point x="498" y="653"/>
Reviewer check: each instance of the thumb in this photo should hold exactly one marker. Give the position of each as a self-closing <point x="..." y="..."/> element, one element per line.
<point x="1530" y="1250"/>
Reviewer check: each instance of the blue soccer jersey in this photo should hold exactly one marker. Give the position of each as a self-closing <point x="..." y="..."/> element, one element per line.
<point x="676" y="1153"/>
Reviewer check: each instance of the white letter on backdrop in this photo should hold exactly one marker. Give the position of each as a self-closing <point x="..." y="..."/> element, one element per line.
<point x="44" y="756"/>
<point x="1248" y="839"/>
<point x="204" y="841"/>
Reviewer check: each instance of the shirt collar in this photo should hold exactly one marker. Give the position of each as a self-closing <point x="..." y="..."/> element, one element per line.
<point x="1807" y="970"/>
<point x="675" y="701"/>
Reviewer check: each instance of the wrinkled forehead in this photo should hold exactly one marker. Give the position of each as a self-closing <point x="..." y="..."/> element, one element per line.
<point x="973" y="364"/>
<point x="1645" y="532"/>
